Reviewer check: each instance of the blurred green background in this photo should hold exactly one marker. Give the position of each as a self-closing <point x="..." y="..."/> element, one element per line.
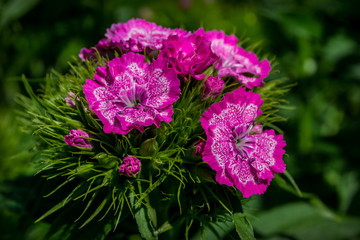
<point x="316" y="44"/>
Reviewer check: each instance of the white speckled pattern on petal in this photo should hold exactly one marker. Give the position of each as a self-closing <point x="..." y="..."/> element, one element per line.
<point x="235" y="61"/>
<point x="130" y="93"/>
<point x="246" y="161"/>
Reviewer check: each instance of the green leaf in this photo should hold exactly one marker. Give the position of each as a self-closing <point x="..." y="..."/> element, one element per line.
<point x="215" y="230"/>
<point x="151" y="188"/>
<point x="293" y="183"/>
<point x="60" y="186"/>
<point x="300" y="220"/>
<point x="88" y="205"/>
<point x="32" y="94"/>
<point x="79" y="189"/>
<point x="163" y="228"/>
<point x="98" y="210"/>
<point x="346" y="185"/>
<point x="64" y="228"/>
<point x="243" y="226"/>
<point x="288" y="187"/>
<point x="15" y="9"/>
<point x="143" y="220"/>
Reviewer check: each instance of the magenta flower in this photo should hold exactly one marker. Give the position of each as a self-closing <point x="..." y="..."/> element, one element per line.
<point x="138" y="34"/>
<point x="235" y="61"/>
<point x="189" y="54"/>
<point x="239" y="158"/>
<point x="212" y="87"/>
<point x="76" y="139"/>
<point x="130" y="94"/>
<point x="134" y="35"/>
<point x="130" y="166"/>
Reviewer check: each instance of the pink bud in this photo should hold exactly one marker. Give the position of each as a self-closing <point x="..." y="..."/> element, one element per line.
<point x="130" y="167"/>
<point x="75" y="139"/>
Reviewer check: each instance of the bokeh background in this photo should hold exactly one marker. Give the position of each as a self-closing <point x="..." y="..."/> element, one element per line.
<point x="316" y="45"/>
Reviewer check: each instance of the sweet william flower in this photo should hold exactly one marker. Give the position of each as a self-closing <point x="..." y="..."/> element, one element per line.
<point x="130" y="94"/>
<point x="138" y="34"/>
<point x="239" y="158"/>
<point x="189" y="55"/>
<point x="76" y="139"/>
<point x="235" y="61"/>
<point x="130" y="166"/>
<point x="134" y="35"/>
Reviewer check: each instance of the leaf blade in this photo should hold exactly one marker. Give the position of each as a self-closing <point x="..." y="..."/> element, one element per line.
<point x="243" y="226"/>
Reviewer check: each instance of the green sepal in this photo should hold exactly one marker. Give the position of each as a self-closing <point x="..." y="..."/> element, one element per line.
<point x="107" y="161"/>
<point x="149" y="147"/>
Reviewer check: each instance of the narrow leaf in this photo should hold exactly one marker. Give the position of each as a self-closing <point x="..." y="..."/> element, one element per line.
<point x="143" y="221"/>
<point x="31" y="93"/>
<point x="151" y="188"/>
<point x="243" y="226"/>
<point x="61" y="204"/>
<point x="293" y="183"/>
<point x="98" y="210"/>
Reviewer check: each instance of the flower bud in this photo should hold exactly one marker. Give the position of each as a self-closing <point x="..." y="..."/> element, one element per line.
<point x="69" y="100"/>
<point x="76" y="139"/>
<point x="130" y="167"/>
<point x="212" y="87"/>
<point x="149" y="146"/>
<point x="199" y="148"/>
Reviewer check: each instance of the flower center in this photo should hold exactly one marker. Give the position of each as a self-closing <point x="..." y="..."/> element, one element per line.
<point x="242" y="140"/>
<point x="133" y="96"/>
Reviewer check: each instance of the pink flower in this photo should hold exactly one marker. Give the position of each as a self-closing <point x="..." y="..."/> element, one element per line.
<point x="189" y="54"/>
<point x="235" y="61"/>
<point x="76" y="139"/>
<point x="212" y="87"/>
<point x="239" y="158"/>
<point x="134" y="35"/>
<point x="138" y="34"/>
<point x="130" y="166"/>
<point x="129" y="93"/>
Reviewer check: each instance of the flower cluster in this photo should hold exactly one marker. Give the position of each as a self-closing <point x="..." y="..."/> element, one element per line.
<point x="131" y="92"/>
<point x="169" y="123"/>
